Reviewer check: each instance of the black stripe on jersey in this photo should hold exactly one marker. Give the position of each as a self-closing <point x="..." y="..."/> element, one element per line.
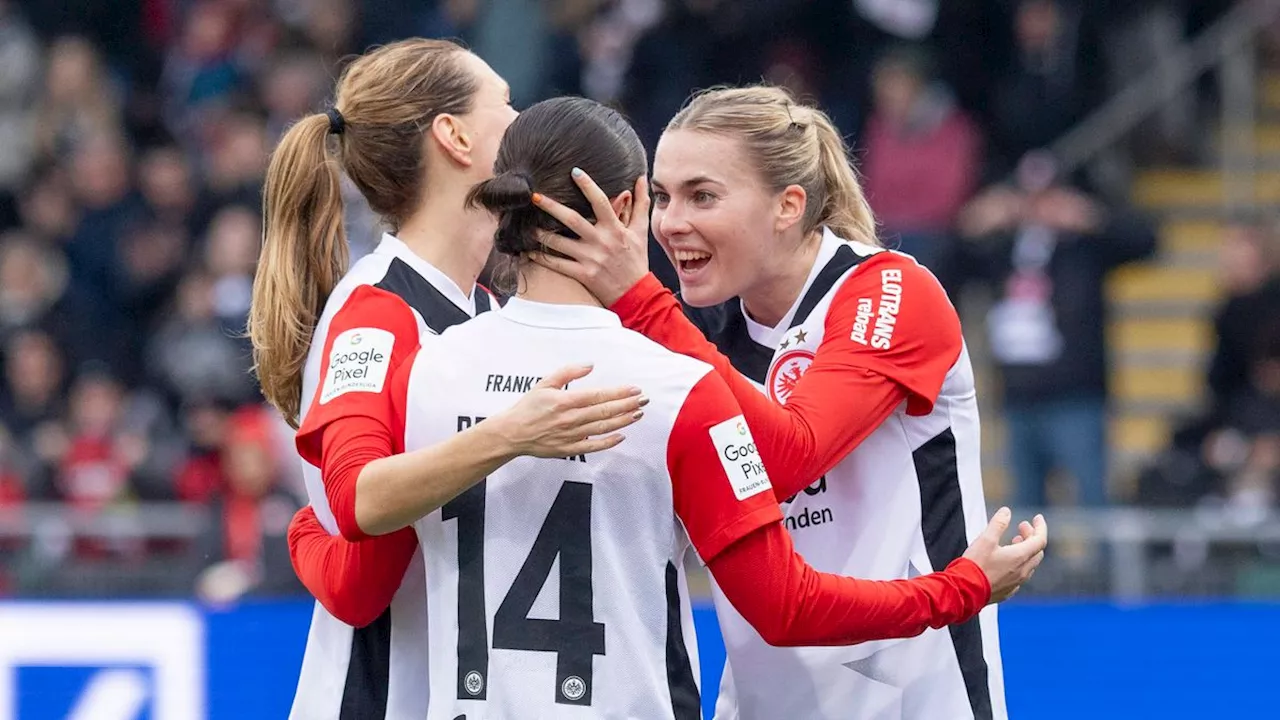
<point x="364" y="696"/>
<point x="686" y="704"/>
<point x="835" y="269"/>
<point x="482" y="300"/>
<point x="942" y="520"/>
<point x="437" y="311"/>
<point x="725" y="326"/>
<point x="369" y="671"/>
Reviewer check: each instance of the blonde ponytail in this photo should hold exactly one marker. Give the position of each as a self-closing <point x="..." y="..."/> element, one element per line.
<point x="846" y="210"/>
<point x="790" y="144"/>
<point x="304" y="255"/>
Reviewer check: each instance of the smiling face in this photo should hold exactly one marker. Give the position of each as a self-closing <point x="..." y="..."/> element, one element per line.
<point x="713" y="215"/>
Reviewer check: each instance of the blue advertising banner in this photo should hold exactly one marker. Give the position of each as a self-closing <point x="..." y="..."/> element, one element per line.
<point x="178" y="661"/>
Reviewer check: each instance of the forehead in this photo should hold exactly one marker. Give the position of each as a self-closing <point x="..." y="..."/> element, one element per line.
<point x="686" y="154"/>
<point x="489" y="80"/>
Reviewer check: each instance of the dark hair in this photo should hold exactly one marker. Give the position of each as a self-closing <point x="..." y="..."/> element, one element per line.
<point x="539" y="151"/>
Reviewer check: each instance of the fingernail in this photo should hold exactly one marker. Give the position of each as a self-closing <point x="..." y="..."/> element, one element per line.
<point x="644" y="400"/>
<point x="537" y="198"/>
<point x="634" y="390"/>
<point x="577" y="172"/>
<point x="637" y="414"/>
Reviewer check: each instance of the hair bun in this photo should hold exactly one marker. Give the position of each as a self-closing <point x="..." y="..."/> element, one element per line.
<point x="504" y="192"/>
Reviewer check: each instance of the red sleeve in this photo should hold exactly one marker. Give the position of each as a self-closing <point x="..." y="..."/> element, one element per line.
<point x="861" y="372"/>
<point x="355" y="581"/>
<point x="719" y="486"/>
<point x="791" y="604"/>
<point x="352" y="419"/>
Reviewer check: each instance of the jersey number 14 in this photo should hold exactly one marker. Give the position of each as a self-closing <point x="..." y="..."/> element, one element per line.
<point x="575" y="637"/>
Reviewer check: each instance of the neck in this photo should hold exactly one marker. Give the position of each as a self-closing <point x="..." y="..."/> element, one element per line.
<point x="456" y="242"/>
<point x="539" y="284"/>
<point x="769" y="299"/>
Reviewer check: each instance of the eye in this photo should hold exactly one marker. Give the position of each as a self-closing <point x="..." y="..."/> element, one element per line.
<point x="702" y="197"/>
<point x="661" y="198"/>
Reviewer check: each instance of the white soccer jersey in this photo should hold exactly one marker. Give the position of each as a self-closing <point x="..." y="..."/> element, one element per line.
<point x="907" y="501"/>
<point x="556" y="586"/>
<point x="377" y="671"/>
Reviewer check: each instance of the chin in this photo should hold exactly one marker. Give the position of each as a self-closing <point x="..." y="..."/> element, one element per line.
<point x="701" y="296"/>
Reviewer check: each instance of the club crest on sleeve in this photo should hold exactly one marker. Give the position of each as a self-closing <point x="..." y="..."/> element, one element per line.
<point x="358" y="362"/>
<point x="786" y="372"/>
<point x="741" y="460"/>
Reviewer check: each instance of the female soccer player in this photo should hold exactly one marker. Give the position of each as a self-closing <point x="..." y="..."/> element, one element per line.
<point x="875" y="452"/>
<point x="415" y="124"/>
<point x="555" y="586"/>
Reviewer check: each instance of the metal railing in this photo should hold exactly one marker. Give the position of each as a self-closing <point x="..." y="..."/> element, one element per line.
<point x="1230" y="45"/>
<point x="1127" y="554"/>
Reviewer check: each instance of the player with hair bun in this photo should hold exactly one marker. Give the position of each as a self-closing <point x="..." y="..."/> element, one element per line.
<point x="414" y="125"/>
<point x="556" y="585"/>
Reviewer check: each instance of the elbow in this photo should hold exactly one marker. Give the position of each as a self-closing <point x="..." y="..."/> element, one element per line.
<point x="348" y="606"/>
<point x="776" y="634"/>
<point x="353" y="531"/>
<point x="352" y="611"/>
<point x="772" y="627"/>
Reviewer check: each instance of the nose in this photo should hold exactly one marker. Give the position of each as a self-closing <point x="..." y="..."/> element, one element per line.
<point x="671" y="220"/>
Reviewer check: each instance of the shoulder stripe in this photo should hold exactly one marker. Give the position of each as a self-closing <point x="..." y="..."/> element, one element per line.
<point x="437" y="311"/>
<point x="839" y="264"/>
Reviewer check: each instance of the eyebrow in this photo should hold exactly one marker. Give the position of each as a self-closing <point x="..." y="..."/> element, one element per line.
<point x="693" y="181"/>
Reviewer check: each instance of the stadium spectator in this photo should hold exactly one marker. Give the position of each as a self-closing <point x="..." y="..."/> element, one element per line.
<point x="47" y="208"/>
<point x="1051" y="83"/>
<point x="32" y="284"/>
<point x="1245" y="451"/>
<point x="194" y="354"/>
<point x="1045" y="248"/>
<point x="79" y="101"/>
<point x="19" y="83"/>
<point x="251" y="517"/>
<point x="167" y="186"/>
<point x="32" y="407"/>
<point x="1250" y="259"/>
<point x="922" y="161"/>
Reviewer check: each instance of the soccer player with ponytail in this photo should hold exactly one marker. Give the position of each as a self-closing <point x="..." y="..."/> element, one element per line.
<point x="414" y="126"/>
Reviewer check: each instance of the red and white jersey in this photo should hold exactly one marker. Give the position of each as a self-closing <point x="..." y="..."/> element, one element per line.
<point x="556" y="586"/>
<point x="905" y="502"/>
<point x="372" y="322"/>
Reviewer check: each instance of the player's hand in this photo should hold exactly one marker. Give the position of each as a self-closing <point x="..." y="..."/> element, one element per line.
<point x="1009" y="566"/>
<point x="610" y="256"/>
<point x="550" y="421"/>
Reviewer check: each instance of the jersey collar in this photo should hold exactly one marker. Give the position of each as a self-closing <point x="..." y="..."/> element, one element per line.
<point x="771" y="336"/>
<point x="567" y="317"/>
<point x="394" y="246"/>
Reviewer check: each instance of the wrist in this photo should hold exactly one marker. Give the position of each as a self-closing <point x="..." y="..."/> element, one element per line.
<point x="630" y="301"/>
<point x="975" y="583"/>
<point x="501" y="438"/>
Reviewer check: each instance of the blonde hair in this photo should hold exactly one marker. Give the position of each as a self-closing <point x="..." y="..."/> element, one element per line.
<point x="387" y="99"/>
<point x="790" y="144"/>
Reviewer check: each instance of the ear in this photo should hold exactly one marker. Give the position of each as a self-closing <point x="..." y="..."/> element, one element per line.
<point x="452" y="138"/>
<point x="791" y="205"/>
<point x="622" y="206"/>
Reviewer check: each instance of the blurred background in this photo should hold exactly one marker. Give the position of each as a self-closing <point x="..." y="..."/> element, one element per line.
<point x="1094" y="181"/>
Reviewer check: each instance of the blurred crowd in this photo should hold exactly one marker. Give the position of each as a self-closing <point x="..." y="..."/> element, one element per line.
<point x="134" y="136"/>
